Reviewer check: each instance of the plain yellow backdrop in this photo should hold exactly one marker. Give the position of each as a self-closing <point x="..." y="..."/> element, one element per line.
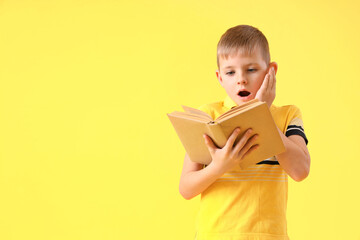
<point x="86" y="148"/>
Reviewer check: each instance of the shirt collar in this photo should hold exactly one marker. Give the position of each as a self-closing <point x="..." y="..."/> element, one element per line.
<point x="229" y="103"/>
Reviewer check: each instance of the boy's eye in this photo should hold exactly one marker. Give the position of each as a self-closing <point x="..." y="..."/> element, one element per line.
<point x="251" y="70"/>
<point x="230" y="73"/>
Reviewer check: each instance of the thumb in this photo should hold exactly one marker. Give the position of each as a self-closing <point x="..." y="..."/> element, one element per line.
<point x="210" y="144"/>
<point x="265" y="83"/>
<point x="263" y="87"/>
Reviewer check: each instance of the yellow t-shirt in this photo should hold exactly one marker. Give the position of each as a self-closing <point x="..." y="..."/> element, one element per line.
<point x="249" y="204"/>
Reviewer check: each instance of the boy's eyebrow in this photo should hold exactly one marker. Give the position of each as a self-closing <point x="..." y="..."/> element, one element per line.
<point x="244" y="65"/>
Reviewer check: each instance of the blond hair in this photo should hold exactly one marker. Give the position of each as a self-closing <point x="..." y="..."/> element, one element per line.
<point x="244" y="39"/>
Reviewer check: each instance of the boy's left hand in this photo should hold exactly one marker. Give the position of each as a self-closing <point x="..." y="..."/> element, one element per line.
<point x="266" y="92"/>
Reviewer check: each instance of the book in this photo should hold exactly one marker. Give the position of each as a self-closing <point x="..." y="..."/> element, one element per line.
<point x="193" y="123"/>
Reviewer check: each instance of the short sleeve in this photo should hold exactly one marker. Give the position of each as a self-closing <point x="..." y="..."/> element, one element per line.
<point x="296" y="126"/>
<point x="207" y="109"/>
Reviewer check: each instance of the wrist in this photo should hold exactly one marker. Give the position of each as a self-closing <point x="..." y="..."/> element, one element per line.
<point x="269" y="102"/>
<point x="215" y="169"/>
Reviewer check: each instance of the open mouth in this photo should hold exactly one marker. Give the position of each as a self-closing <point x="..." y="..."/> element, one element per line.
<point x="244" y="93"/>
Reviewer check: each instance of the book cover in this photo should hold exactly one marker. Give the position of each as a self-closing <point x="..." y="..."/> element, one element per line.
<point x="193" y="123"/>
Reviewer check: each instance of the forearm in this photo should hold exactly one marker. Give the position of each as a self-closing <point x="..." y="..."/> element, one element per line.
<point x="194" y="183"/>
<point x="295" y="160"/>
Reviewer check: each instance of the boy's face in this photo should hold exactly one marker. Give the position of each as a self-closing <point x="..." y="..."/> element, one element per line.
<point x="242" y="75"/>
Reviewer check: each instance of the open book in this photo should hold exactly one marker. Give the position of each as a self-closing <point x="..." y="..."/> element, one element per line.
<point x="193" y="123"/>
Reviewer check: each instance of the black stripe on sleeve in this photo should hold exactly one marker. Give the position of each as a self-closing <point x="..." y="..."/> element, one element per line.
<point x="296" y="132"/>
<point x="268" y="162"/>
<point x="295" y="126"/>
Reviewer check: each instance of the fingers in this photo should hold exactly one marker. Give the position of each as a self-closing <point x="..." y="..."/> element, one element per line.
<point x="230" y="142"/>
<point x="244" y="146"/>
<point x="252" y="148"/>
<point x="265" y="84"/>
<point x="210" y="144"/>
<point x="272" y="79"/>
<point x="243" y="141"/>
<point x="274" y="87"/>
<point x="250" y="144"/>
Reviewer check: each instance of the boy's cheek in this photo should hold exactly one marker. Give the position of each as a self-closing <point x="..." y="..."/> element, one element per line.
<point x="257" y="89"/>
<point x="260" y="84"/>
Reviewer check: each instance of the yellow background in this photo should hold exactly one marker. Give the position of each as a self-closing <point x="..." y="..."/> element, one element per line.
<point x="86" y="149"/>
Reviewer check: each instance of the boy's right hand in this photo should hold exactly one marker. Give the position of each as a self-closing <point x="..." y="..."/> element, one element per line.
<point x="267" y="90"/>
<point x="226" y="158"/>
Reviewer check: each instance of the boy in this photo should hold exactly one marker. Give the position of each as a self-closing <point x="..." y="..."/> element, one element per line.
<point x="251" y="203"/>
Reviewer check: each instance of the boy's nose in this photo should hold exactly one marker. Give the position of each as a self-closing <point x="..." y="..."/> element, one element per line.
<point x="242" y="80"/>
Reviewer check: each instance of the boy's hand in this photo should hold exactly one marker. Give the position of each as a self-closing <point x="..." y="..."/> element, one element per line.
<point x="266" y="92"/>
<point x="226" y="158"/>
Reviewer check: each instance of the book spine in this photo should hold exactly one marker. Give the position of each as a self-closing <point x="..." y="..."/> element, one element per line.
<point x="217" y="134"/>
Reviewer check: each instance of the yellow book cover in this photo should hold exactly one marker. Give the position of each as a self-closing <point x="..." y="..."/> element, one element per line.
<point x="193" y="123"/>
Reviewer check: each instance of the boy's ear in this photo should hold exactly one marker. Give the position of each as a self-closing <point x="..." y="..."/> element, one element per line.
<point x="274" y="65"/>
<point x="219" y="77"/>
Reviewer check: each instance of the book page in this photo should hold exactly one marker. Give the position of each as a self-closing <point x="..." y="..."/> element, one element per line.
<point x="237" y="110"/>
<point x="195" y="117"/>
<point x="191" y="133"/>
<point x="257" y="117"/>
<point x="197" y="112"/>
